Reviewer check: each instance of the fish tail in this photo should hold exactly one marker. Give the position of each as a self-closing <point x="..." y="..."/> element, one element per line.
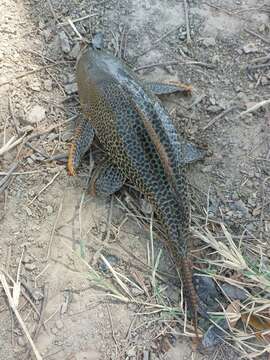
<point x="189" y="290"/>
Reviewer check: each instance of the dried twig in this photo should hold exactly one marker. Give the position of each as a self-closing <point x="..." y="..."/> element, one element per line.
<point x="75" y="29"/>
<point x="74" y="21"/>
<point x="256" y="67"/>
<point x="53" y="229"/>
<point x="175" y="62"/>
<point x="30" y="72"/>
<point x="53" y="127"/>
<point x="187" y="22"/>
<point x="40" y="321"/>
<point x="10" y="104"/>
<point x="11" y="144"/>
<point x="45" y="187"/>
<point x="255" y="107"/>
<point x="3" y="182"/>
<point x="154" y="44"/>
<point x="18" y="316"/>
<point x="218" y="117"/>
<point x="219" y="8"/>
<point x="112" y="327"/>
<point x="261" y="59"/>
<point x="251" y="32"/>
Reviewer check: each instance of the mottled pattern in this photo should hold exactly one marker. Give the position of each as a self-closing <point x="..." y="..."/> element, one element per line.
<point x="81" y="143"/>
<point x="140" y="140"/>
<point x="107" y="180"/>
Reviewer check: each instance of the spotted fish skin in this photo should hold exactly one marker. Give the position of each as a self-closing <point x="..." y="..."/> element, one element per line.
<point x="139" y="138"/>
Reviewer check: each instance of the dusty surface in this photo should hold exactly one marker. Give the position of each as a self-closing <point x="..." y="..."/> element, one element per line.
<point x="77" y="320"/>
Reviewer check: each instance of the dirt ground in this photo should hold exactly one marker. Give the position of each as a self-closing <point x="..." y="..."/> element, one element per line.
<point x="46" y="217"/>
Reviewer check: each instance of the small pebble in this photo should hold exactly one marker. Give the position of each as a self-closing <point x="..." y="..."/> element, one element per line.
<point x="49" y="209"/>
<point x="71" y="88"/>
<point x="30" y="267"/>
<point x="213" y="109"/>
<point x="209" y="41"/>
<point x="28" y="211"/>
<point x="264" y="81"/>
<point x="48" y="85"/>
<point x="112" y="259"/>
<point x="75" y="51"/>
<point x="64" y="42"/>
<point x="250" y="48"/>
<point x="36" y="114"/>
<point x="54" y="330"/>
<point x="59" y="324"/>
<point x="21" y="341"/>
<point x="27" y="259"/>
<point x="37" y="295"/>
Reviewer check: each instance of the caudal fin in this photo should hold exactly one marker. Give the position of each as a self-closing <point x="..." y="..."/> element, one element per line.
<point x="189" y="291"/>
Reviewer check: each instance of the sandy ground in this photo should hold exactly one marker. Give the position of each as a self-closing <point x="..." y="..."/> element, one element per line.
<point x="46" y="217"/>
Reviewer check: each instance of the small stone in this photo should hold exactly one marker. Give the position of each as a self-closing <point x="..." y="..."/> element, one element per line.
<point x="212" y="101"/>
<point x="59" y="324"/>
<point x="64" y="42"/>
<point x="71" y="88"/>
<point x="54" y="330"/>
<point x="37" y="295"/>
<point x="49" y="209"/>
<point x="37" y="157"/>
<point x="36" y="114"/>
<point x="34" y="85"/>
<point x="70" y="78"/>
<point x="207" y="169"/>
<point x="263" y="28"/>
<point x="75" y="51"/>
<point x="30" y="267"/>
<point x="250" y="48"/>
<point x="27" y="259"/>
<point x="213" y="109"/>
<point x="21" y="341"/>
<point x="238" y="88"/>
<point x="215" y="59"/>
<point x="240" y="206"/>
<point x="26" y="129"/>
<point x="48" y="84"/>
<point x="28" y="211"/>
<point x="131" y="353"/>
<point x="112" y="259"/>
<point x="209" y="41"/>
<point x="234" y="292"/>
<point x="264" y="81"/>
<point x="30" y="161"/>
<point x="48" y="34"/>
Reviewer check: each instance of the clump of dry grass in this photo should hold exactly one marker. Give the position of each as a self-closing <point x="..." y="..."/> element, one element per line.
<point x="248" y="320"/>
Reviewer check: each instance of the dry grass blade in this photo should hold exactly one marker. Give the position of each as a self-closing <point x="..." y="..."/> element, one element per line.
<point x="116" y="276"/>
<point x="12" y="142"/>
<point x="44" y="188"/>
<point x="255" y="107"/>
<point x="97" y="278"/>
<point x="54" y="228"/>
<point x="18" y="316"/>
<point x="232" y="257"/>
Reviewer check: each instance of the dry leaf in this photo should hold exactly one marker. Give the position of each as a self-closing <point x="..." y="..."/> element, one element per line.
<point x="258" y="324"/>
<point x="233" y="313"/>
